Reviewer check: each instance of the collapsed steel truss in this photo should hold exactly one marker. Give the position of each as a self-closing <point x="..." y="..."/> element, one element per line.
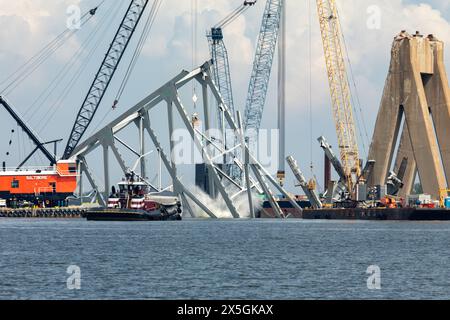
<point x="256" y="178"/>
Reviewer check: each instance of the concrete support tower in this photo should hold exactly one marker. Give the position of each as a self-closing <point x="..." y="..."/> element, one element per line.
<point x="417" y="91"/>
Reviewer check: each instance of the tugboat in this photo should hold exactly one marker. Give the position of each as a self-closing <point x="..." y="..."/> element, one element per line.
<point x="135" y="202"/>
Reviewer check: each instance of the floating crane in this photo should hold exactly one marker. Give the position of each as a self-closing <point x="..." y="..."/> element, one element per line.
<point x="105" y="73"/>
<point x="340" y="92"/>
<point x="39" y="186"/>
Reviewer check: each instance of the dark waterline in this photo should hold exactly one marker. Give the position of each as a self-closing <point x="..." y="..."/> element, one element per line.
<point x="196" y="259"/>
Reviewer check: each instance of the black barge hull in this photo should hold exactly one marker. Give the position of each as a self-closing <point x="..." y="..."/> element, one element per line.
<point x="392" y="214"/>
<point x="131" y="215"/>
<point x="407" y="214"/>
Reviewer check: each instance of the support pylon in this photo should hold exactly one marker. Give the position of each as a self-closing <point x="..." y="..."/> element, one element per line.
<point x="416" y="87"/>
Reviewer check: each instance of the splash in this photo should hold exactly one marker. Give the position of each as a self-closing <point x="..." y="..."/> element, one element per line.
<point x="219" y="207"/>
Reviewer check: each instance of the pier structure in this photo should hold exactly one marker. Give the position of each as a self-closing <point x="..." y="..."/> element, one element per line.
<point x="415" y="114"/>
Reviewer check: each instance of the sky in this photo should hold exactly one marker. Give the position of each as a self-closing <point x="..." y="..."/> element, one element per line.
<point x="174" y="44"/>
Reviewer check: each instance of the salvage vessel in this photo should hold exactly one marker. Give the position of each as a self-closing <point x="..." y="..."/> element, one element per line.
<point x="134" y="202"/>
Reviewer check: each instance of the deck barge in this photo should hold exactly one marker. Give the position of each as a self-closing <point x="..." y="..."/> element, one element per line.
<point x="409" y="214"/>
<point x="62" y="213"/>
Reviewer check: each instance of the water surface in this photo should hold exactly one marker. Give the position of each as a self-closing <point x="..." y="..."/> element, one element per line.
<point x="203" y="259"/>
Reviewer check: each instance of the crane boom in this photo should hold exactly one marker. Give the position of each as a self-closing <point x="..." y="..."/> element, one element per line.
<point x="105" y="73"/>
<point x="262" y="67"/>
<point x="340" y="90"/>
<point x="30" y="133"/>
<point x="221" y="67"/>
<point x="219" y="55"/>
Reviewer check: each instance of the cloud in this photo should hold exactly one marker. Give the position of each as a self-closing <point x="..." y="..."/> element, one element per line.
<point x="26" y="25"/>
<point x="44" y="20"/>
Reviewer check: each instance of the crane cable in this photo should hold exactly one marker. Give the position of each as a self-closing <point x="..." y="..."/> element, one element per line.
<point x="40" y="59"/>
<point x="234" y="15"/>
<point x="142" y="40"/>
<point x="310" y="84"/>
<point x="310" y="89"/>
<point x="38" y="54"/>
<point x="32" y="64"/>
<point x="194" y="22"/>
<point x="10" y="142"/>
<point x="47" y="92"/>
<point x="68" y="66"/>
<point x="225" y="21"/>
<point x="358" y="101"/>
<point x="19" y="139"/>
<point x="67" y="89"/>
<point x="138" y="50"/>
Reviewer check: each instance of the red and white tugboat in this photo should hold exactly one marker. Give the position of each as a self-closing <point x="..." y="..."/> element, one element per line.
<point x="134" y="202"/>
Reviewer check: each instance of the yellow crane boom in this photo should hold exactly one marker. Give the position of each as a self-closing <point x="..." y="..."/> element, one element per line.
<point x="340" y="90"/>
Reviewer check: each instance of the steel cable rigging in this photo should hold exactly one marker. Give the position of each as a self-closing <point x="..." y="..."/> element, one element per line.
<point x="142" y="40"/>
<point x="65" y="71"/>
<point x="135" y="57"/>
<point x="27" y="69"/>
<point x="58" y="103"/>
<point x="32" y="64"/>
<point x="105" y="74"/>
<point x="194" y="28"/>
<point x="363" y="132"/>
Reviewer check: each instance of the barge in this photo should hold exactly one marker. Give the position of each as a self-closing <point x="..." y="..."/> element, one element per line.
<point x="380" y="214"/>
<point x="53" y="213"/>
<point x="392" y="214"/>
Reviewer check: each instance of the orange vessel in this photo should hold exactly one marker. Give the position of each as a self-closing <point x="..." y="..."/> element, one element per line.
<point x="40" y="186"/>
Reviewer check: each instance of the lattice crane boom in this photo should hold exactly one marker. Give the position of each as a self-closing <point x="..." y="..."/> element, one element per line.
<point x="262" y="67"/>
<point x="340" y="89"/>
<point x="219" y="55"/>
<point x="30" y="133"/>
<point x="105" y="74"/>
<point x="221" y="68"/>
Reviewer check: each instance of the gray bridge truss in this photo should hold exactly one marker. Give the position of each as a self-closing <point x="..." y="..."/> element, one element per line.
<point x="255" y="180"/>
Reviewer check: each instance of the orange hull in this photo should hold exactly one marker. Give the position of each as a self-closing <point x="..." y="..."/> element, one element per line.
<point x="56" y="182"/>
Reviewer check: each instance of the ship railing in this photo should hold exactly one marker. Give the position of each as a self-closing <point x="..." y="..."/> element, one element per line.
<point x="44" y="190"/>
<point x="29" y="169"/>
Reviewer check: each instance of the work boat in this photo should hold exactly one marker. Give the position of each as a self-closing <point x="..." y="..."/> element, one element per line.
<point x="134" y="202"/>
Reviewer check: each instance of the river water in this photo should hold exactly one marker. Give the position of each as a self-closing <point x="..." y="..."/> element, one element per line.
<point x="205" y="259"/>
